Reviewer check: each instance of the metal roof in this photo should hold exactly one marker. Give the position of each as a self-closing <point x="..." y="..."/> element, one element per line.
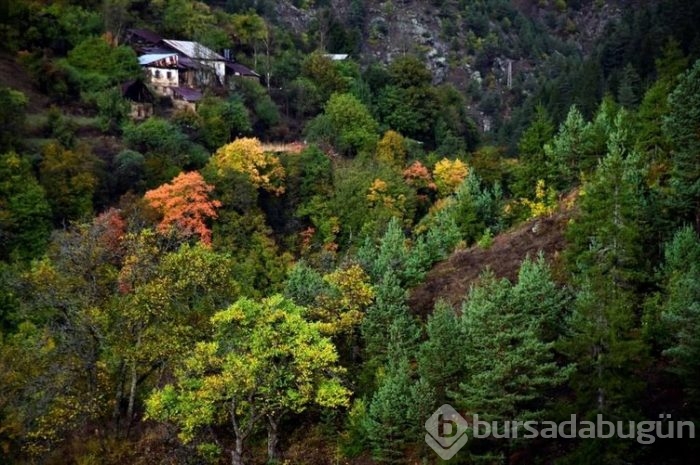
<point x="147" y="35"/>
<point x="239" y="69"/>
<point x="153" y="57"/>
<point x="194" y="50"/>
<point x="187" y="94"/>
<point x="336" y="56"/>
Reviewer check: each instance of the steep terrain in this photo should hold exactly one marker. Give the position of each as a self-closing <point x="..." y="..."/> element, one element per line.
<point x="451" y="279"/>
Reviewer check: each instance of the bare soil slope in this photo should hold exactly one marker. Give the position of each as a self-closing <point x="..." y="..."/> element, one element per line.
<point x="450" y="280"/>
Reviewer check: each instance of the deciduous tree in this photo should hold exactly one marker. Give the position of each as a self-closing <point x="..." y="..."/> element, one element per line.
<point x="185" y="205"/>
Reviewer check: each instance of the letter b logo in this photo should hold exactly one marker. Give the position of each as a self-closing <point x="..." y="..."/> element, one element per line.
<point x="446" y="432"/>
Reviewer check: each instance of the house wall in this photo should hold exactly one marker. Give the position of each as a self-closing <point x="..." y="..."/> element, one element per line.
<point x="184" y="105"/>
<point x="162" y="79"/>
<point x="141" y="111"/>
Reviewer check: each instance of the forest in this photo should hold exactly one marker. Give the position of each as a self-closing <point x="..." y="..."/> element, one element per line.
<point x="274" y="264"/>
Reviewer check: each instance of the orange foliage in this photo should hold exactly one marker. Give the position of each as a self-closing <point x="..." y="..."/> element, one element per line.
<point x="111" y="229"/>
<point x="418" y="176"/>
<point x="185" y="205"/>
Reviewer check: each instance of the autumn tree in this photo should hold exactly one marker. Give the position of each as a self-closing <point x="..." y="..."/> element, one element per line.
<point x="246" y="155"/>
<point x="448" y="175"/>
<point x="185" y="206"/>
<point x="391" y="149"/>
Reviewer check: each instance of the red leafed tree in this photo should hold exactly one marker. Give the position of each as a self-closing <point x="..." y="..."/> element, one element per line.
<point x="185" y="205"/>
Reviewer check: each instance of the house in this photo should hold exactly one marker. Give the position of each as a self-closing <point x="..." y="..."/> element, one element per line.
<point x="207" y="65"/>
<point x="162" y="70"/>
<point x="142" y="39"/>
<point x="238" y="70"/>
<point x="185" y="98"/>
<point x="140" y="98"/>
<point x="181" y="68"/>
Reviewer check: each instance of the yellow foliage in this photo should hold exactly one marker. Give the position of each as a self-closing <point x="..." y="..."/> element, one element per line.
<point x="391" y="149"/>
<point x="545" y="201"/>
<point x="449" y="174"/>
<point x="246" y="155"/>
<point x="380" y="195"/>
<point x="344" y="309"/>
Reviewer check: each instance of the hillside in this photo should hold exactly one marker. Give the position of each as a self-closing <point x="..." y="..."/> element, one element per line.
<point x="257" y="231"/>
<point x="451" y="279"/>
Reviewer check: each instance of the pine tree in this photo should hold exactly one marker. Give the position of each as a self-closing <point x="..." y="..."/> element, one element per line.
<point x="440" y="361"/>
<point x="628" y="90"/>
<point x="532" y="161"/>
<point x="682" y="125"/>
<point x="567" y="150"/>
<point x="510" y="369"/>
<point x="610" y="264"/>
<point x="388" y="319"/>
<point x="680" y="314"/>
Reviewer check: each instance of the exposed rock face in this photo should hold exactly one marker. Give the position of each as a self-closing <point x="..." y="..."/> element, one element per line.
<point x="478" y="48"/>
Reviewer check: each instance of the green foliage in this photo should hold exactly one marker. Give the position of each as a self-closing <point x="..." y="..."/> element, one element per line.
<point x="680" y="312"/>
<point x="437" y="362"/>
<point x="681" y="126"/>
<point x="100" y="65"/>
<point x="25" y="214"/>
<point x="348" y="126"/>
<point x="506" y="349"/>
<point x="222" y="121"/>
<point x="13" y="104"/>
<point x="324" y="74"/>
<point x="397" y="412"/>
<point x="165" y="147"/>
<point x="112" y="108"/>
<point x="69" y="175"/>
<point x="532" y="159"/>
<point x="567" y="151"/>
<point x="389" y="313"/>
<point x="304" y="285"/>
<point x="264" y="360"/>
<point x="476" y="208"/>
<point x="129" y="170"/>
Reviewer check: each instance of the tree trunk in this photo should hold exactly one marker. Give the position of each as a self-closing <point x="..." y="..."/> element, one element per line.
<point x="237" y="452"/>
<point x="117" y="412"/>
<point x="132" y="397"/>
<point x="272" y="440"/>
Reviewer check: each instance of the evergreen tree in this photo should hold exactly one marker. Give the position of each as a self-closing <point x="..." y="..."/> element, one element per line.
<point x="387" y="319"/>
<point x="680" y="314"/>
<point x="610" y="265"/>
<point x="628" y="90"/>
<point x="510" y="368"/>
<point x="440" y="361"/>
<point x="25" y="216"/>
<point x="567" y="150"/>
<point x="682" y="125"/>
<point x="532" y="161"/>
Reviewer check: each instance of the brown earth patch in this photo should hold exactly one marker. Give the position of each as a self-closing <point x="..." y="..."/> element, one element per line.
<point x="451" y="279"/>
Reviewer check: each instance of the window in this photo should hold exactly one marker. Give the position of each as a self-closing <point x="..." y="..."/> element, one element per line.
<point x="169" y="75"/>
<point x="156" y="73"/>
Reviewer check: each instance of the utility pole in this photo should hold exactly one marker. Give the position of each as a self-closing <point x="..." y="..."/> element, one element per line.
<point x="510" y="74"/>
